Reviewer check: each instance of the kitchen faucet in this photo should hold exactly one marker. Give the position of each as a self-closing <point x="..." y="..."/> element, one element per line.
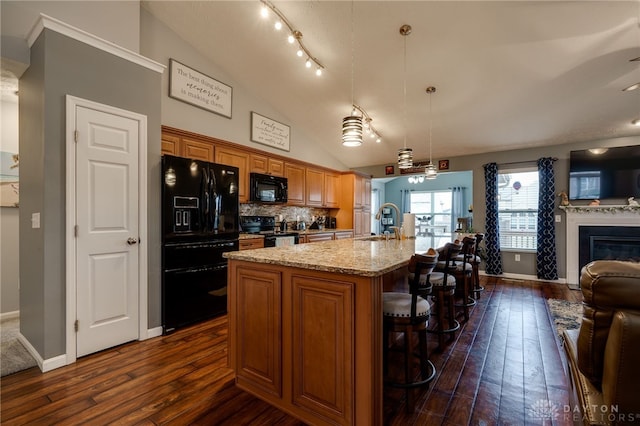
<point x="396" y="229"/>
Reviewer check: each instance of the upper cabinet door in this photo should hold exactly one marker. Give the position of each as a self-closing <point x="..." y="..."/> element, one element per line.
<point x="315" y="187"/>
<point x="239" y="159"/>
<point x="296" y="184"/>
<point x="170" y="145"/>
<point x="331" y="190"/>
<point x="263" y="164"/>
<point x="197" y="150"/>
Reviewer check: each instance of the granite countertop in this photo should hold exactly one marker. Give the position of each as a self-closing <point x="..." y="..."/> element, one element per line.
<point x="322" y="231"/>
<point x="361" y="257"/>
<point x="306" y="232"/>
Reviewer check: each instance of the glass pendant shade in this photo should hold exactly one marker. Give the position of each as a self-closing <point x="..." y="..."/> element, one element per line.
<point x="430" y="172"/>
<point x="352" y="131"/>
<point x="405" y="158"/>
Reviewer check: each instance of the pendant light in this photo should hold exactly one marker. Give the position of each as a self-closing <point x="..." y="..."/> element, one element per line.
<point x="430" y="171"/>
<point x="405" y="155"/>
<point x="352" y="125"/>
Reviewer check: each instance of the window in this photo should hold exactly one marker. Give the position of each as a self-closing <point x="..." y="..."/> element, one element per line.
<point x="518" y="209"/>
<point x="433" y="215"/>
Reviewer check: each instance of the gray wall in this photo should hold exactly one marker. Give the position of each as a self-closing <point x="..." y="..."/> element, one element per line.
<point x="159" y="43"/>
<point x="474" y="163"/>
<point x="61" y="66"/>
<point x="9" y="235"/>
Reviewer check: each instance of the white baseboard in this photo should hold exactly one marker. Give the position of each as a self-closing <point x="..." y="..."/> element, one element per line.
<point x="34" y="353"/>
<point x="9" y="315"/>
<point x="154" y="332"/>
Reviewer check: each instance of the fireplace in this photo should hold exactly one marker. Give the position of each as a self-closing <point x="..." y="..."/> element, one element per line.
<point x="595" y="233"/>
<point x="608" y="243"/>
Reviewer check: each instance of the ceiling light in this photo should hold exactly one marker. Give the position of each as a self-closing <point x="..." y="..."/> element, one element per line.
<point x="636" y="122"/>
<point x="352" y="125"/>
<point x="294" y="36"/>
<point x="405" y="155"/>
<point x="598" y="151"/>
<point x="416" y="179"/>
<point x="632" y="87"/>
<point x="430" y="171"/>
<point x="352" y="131"/>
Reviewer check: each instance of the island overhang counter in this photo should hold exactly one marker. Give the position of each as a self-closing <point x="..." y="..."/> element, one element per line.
<point x="305" y="325"/>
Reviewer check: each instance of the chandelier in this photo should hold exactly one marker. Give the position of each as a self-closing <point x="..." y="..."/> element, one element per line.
<point x="430" y="171"/>
<point x="405" y="155"/>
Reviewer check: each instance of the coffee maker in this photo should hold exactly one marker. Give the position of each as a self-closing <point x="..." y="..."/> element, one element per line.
<point x="330" y="222"/>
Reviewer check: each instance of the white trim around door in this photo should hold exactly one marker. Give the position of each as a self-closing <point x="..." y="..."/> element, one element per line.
<point x="71" y="312"/>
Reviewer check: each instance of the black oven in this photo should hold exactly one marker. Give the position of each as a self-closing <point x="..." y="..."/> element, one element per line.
<point x="267" y="188"/>
<point x="194" y="281"/>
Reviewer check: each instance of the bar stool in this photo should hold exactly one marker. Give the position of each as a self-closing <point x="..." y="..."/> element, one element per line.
<point x="463" y="271"/>
<point x="408" y="313"/>
<point x="443" y="290"/>
<point x="475" y="263"/>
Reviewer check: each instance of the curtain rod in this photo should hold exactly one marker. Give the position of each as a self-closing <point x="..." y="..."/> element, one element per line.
<point x="520" y="162"/>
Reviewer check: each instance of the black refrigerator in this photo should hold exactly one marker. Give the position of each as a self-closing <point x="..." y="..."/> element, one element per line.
<point x="200" y="222"/>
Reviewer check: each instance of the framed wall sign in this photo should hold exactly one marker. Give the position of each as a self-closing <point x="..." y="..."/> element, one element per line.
<point x="195" y="88"/>
<point x="443" y="165"/>
<point x="388" y="170"/>
<point x="269" y="132"/>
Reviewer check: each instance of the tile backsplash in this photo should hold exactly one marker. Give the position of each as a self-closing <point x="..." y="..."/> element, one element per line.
<point x="289" y="213"/>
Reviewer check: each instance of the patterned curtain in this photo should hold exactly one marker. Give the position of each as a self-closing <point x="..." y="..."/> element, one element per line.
<point x="492" y="234"/>
<point x="456" y="205"/>
<point x="547" y="265"/>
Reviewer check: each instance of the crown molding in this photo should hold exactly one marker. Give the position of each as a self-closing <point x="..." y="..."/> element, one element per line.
<point x="45" y="21"/>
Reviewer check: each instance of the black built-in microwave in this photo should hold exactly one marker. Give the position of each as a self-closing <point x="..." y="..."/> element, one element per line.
<point x="267" y="188"/>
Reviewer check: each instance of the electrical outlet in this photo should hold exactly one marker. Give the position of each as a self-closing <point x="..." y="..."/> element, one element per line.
<point x="517" y="258"/>
<point x="35" y="220"/>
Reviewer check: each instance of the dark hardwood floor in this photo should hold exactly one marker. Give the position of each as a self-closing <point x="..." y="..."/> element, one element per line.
<point x="504" y="360"/>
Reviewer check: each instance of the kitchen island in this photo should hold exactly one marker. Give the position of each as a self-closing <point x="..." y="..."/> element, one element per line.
<point x="305" y="325"/>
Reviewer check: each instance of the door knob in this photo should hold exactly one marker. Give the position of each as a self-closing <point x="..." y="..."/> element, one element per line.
<point x="131" y="241"/>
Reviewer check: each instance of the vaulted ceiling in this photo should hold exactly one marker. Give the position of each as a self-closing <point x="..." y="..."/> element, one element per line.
<point x="508" y="74"/>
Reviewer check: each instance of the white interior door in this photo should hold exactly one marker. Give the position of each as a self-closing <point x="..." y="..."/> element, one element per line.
<point x="107" y="263"/>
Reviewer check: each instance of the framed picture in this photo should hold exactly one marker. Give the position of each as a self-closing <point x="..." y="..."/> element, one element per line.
<point x="197" y="89"/>
<point x="388" y="170"/>
<point x="270" y="132"/>
<point x="443" y="165"/>
<point x="9" y="185"/>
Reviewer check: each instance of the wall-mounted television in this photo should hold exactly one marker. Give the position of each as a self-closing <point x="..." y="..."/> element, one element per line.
<point x="604" y="173"/>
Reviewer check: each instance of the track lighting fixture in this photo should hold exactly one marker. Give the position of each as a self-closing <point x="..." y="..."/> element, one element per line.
<point x="294" y="36"/>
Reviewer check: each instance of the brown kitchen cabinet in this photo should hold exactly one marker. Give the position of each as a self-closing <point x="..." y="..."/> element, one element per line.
<point x="355" y="203"/>
<point x="239" y="159"/>
<point x="314" y="187"/>
<point x="276" y="309"/>
<point x="295" y="175"/>
<point x="197" y="150"/>
<point x="170" y="145"/>
<point x="251" y="243"/>
<point x="320" y="236"/>
<point x="266" y="165"/>
<point x="322" y="188"/>
<point x="331" y="190"/>
<point x="339" y="235"/>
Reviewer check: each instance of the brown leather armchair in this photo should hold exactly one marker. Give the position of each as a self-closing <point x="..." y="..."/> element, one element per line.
<point x="603" y="356"/>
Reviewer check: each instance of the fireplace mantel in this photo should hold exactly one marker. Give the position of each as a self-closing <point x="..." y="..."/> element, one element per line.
<point x="607" y="215"/>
